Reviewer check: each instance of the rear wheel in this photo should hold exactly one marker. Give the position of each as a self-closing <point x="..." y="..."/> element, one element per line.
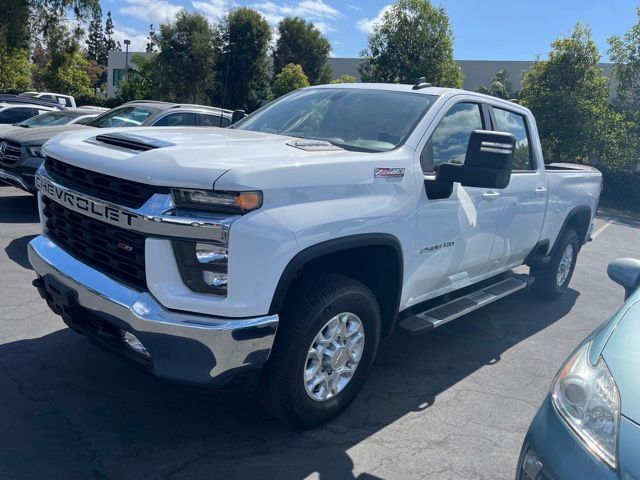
<point x="325" y="346"/>
<point x="552" y="278"/>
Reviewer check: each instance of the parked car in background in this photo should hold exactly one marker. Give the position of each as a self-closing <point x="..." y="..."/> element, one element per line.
<point x="54" y="118"/>
<point x="588" y="427"/>
<point x="278" y="252"/>
<point x="14" y="109"/>
<point x="65" y="100"/>
<point x="21" y="149"/>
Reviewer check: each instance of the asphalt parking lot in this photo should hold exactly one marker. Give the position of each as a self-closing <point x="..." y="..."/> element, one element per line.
<point x="454" y="404"/>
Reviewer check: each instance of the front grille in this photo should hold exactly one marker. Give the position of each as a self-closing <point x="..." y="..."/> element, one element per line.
<point x="116" y="190"/>
<point x="114" y="251"/>
<point x="9" y="153"/>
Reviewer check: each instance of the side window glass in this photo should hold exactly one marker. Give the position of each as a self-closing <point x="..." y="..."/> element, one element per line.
<point x="215" y="121"/>
<point x="182" y="119"/>
<point x="449" y="141"/>
<point x="515" y="123"/>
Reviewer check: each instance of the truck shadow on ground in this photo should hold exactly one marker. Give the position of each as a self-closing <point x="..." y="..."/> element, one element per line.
<point x="17" y="251"/>
<point x="69" y="410"/>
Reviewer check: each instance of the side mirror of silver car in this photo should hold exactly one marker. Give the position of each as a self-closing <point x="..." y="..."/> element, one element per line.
<point x="625" y="272"/>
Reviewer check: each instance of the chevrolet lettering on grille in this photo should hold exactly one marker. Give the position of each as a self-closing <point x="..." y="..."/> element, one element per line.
<point x="86" y="205"/>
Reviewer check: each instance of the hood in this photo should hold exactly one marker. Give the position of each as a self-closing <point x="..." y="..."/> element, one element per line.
<point x="39" y="135"/>
<point x="622" y="355"/>
<point x="192" y="157"/>
<point x="7" y="129"/>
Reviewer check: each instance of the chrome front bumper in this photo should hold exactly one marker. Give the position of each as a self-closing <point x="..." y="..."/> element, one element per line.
<point x="184" y="347"/>
<point x="14" y="180"/>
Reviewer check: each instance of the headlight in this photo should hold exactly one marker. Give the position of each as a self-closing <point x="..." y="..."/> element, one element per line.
<point x="213" y="201"/>
<point x="587" y="398"/>
<point x="203" y="266"/>
<point x="35" y="152"/>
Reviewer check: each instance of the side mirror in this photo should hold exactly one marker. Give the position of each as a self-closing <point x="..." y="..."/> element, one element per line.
<point x="237" y="116"/>
<point x="488" y="162"/>
<point x="625" y="272"/>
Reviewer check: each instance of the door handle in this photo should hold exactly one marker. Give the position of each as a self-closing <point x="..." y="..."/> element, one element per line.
<point x="490" y="196"/>
<point x="540" y="192"/>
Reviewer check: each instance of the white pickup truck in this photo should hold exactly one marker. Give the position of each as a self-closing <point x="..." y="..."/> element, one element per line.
<point x="277" y="253"/>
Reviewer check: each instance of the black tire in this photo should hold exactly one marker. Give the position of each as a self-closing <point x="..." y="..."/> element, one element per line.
<point x="546" y="275"/>
<point x="312" y="302"/>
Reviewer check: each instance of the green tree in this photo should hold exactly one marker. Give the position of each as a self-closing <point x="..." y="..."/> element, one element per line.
<point x="344" y="79"/>
<point x="500" y="86"/>
<point x="625" y="55"/>
<point x="95" y="37"/>
<point x="569" y="95"/>
<point x="15" y="69"/>
<point x="152" y="40"/>
<point x="142" y="84"/>
<point x="291" y="78"/>
<point x="302" y="43"/>
<point x="243" y="68"/>
<point x="186" y="61"/>
<point x="69" y="75"/>
<point x="414" y="39"/>
<point x="110" y="44"/>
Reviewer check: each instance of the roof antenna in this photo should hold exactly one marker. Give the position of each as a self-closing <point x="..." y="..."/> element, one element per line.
<point x="422" y="83"/>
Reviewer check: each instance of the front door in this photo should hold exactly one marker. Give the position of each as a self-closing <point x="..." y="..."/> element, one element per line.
<point x="454" y="236"/>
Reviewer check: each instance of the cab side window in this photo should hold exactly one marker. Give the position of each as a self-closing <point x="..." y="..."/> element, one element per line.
<point x="449" y="141"/>
<point x="516" y="124"/>
<point x="182" y="119"/>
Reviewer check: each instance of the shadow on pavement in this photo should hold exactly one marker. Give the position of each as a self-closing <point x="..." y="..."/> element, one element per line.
<point x="68" y="410"/>
<point x="17" y="251"/>
<point x="19" y="208"/>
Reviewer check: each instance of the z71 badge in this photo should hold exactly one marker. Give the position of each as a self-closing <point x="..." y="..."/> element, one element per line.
<point x="388" y="173"/>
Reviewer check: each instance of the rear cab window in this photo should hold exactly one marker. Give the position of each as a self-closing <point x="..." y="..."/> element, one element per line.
<point x="516" y="123"/>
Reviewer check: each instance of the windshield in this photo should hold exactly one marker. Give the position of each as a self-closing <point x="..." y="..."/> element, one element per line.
<point x="123" y="117"/>
<point x="355" y="119"/>
<point x="48" y="119"/>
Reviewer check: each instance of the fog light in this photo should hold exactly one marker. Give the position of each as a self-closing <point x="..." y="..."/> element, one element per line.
<point x="131" y="341"/>
<point x="215" y="279"/>
<point x="531" y="466"/>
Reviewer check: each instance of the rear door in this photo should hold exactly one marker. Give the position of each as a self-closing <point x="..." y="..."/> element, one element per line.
<point x="523" y="202"/>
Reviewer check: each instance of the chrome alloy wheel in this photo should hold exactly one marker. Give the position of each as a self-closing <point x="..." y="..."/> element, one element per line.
<point x="565" y="265"/>
<point x="333" y="356"/>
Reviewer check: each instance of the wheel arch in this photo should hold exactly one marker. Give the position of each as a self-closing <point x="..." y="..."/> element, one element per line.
<point x="579" y="219"/>
<point x="374" y="259"/>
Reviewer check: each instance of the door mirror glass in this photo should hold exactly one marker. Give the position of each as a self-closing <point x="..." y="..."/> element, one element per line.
<point x="488" y="161"/>
<point x="625" y="272"/>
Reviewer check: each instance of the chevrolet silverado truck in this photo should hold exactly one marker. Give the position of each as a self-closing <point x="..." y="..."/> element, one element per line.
<point x="277" y="253"/>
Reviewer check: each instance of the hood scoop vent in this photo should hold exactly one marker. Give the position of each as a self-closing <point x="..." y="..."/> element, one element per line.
<point x="131" y="141"/>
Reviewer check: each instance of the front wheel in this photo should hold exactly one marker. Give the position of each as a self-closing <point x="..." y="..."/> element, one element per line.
<point x="325" y="346"/>
<point x="552" y="278"/>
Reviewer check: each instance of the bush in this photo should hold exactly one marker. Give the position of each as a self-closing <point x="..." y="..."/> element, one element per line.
<point x="621" y="189"/>
<point x="291" y="78"/>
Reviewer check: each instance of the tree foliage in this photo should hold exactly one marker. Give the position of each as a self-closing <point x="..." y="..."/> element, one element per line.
<point x="15" y="69"/>
<point x="69" y="75"/>
<point x="110" y="43"/>
<point x="186" y="61"/>
<point x="243" y="68"/>
<point x="344" y="79"/>
<point x="302" y="43"/>
<point x="500" y="86"/>
<point x="152" y="39"/>
<point x="414" y="39"/>
<point x="142" y="81"/>
<point x="95" y="37"/>
<point x="291" y="78"/>
<point x="569" y="96"/>
<point x="625" y="55"/>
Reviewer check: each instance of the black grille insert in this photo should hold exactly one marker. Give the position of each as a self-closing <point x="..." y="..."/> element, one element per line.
<point x="10" y="154"/>
<point x="112" y="250"/>
<point x="105" y="187"/>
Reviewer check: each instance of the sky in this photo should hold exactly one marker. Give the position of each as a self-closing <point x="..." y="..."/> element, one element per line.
<point x="483" y="30"/>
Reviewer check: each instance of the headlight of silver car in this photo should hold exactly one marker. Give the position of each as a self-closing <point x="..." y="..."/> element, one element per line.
<point x="587" y="398"/>
<point x="35" y="152"/>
